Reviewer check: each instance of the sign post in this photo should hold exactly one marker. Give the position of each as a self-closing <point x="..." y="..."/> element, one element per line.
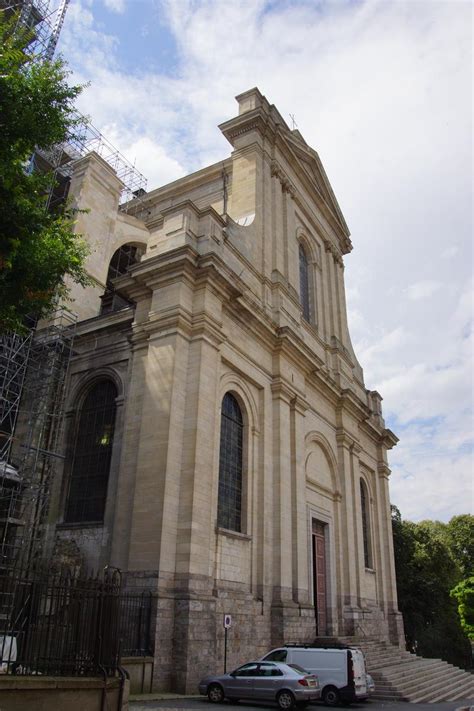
<point x="227" y="625"/>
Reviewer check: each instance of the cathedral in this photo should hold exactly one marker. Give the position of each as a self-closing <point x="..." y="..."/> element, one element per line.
<point x="221" y="448"/>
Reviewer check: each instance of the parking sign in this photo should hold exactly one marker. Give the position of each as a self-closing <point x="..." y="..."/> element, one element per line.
<point x="227" y="621"/>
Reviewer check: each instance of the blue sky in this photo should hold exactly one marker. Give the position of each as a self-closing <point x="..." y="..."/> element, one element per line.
<point x="383" y="91"/>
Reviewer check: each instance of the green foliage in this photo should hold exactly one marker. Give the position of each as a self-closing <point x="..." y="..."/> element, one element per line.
<point x="38" y="248"/>
<point x="464" y="594"/>
<point x="460" y="539"/>
<point x="427" y="570"/>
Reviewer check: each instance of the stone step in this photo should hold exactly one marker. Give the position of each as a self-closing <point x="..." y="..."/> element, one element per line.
<point x="402" y="676"/>
<point x="400" y="671"/>
<point x="414" y="683"/>
<point x="445" y="694"/>
<point x="430" y="685"/>
<point x="441" y="688"/>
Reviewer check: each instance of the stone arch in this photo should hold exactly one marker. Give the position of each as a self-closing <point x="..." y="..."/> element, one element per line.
<point x="308" y="287"/>
<point x="91" y="437"/>
<point x="80" y="389"/>
<point x="309" y="245"/>
<point x="320" y="456"/>
<point x="233" y="383"/>
<point x="124" y="256"/>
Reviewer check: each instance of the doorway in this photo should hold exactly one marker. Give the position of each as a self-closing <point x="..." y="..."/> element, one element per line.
<point x="319" y="576"/>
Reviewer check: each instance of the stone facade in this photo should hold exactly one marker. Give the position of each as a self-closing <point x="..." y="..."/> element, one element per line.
<point x="218" y="310"/>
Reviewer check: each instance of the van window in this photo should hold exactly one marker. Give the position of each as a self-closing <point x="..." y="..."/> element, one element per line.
<point x="279" y="655"/>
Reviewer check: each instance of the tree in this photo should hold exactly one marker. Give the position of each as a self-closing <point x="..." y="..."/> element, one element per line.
<point x="38" y="247"/>
<point x="464" y="594"/>
<point x="427" y="571"/>
<point x="460" y="539"/>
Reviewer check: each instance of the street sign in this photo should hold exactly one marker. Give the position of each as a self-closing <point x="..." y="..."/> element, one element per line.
<point x="227" y="621"/>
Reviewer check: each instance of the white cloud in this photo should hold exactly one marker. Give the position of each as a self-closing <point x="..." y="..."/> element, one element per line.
<point x="422" y="289"/>
<point x="115" y="5"/>
<point x="382" y="90"/>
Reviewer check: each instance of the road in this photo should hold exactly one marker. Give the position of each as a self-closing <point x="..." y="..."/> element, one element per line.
<point x="193" y="704"/>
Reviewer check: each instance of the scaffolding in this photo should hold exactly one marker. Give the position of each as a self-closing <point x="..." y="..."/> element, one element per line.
<point x="34" y="365"/>
<point x="33" y="371"/>
<point x="44" y="20"/>
<point x="83" y="139"/>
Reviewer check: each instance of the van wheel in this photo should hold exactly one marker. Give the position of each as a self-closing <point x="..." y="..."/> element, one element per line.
<point x="285" y="700"/>
<point x="215" y="694"/>
<point x="331" y="696"/>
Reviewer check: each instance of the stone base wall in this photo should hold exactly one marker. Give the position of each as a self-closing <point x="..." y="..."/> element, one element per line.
<point x="46" y="693"/>
<point x="190" y="636"/>
<point x="369" y="620"/>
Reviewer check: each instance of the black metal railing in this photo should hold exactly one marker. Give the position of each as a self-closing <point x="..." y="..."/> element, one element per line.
<point x="61" y="624"/>
<point x="135" y="624"/>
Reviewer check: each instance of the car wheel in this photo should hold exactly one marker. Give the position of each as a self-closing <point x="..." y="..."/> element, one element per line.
<point x="285" y="700"/>
<point x="215" y="694"/>
<point x="331" y="696"/>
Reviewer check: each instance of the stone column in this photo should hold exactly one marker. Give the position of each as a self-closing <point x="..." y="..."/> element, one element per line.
<point x="282" y="494"/>
<point x="394" y="616"/>
<point x="298" y="500"/>
<point x="348" y="530"/>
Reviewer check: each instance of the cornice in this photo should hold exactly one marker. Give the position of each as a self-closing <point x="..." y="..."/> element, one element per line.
<point x="388" y="439"/>
<point x="344" y="439"/>
<point x="282" y="391"/>
<point x="179" y="186"/>
<point x="383" y="470"/>
<point x="104" y="321"/>
<point x="335" y="496"/>
<point x="349" y="402"/>
<point x="254" y="120"/>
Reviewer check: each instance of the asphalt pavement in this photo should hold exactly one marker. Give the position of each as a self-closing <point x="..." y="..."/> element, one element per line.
<point x="202" y="704"/>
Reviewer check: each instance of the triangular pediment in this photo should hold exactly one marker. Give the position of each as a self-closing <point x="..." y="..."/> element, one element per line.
<point x="312" y="165"/>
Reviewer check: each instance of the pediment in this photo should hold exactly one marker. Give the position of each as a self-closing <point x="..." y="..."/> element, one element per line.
<point x="309" y="160"/>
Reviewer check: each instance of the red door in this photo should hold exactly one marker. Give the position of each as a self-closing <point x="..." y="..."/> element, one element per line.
<point x="319" y="576"/>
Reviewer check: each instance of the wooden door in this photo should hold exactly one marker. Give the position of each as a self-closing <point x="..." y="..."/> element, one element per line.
<point x="319" y="576"/>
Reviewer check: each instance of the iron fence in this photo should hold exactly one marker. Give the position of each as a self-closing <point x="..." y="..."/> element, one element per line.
<point x="60" y="624"/>
<point x="135" y="624"/>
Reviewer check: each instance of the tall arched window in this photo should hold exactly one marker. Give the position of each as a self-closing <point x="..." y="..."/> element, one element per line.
<point x="123" y="258"/>
<point x="364" y="502"/>
<point x="304" y="283"/>
<point x="92" y="454"/>
<point x="229" y="508"/>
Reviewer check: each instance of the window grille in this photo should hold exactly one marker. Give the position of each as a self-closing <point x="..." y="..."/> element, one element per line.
<point x="229" y="510"/>
<point x="92" y="455"/>
<point x="304" y="283"/>
<point x="365" y="525"/>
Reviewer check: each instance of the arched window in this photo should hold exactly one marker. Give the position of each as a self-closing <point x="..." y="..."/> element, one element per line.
<point x="304" y="283"/>
<point x="123" y="258"/>
<point x="364" y="503"/>
<point x="229" y="508"/>
<point x="92" y="454"/>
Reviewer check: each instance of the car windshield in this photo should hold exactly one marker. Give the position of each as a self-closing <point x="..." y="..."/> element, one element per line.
<point x="297" y="668"/>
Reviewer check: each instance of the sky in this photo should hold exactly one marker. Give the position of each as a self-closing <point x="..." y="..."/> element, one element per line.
<point x="383" y="91"/>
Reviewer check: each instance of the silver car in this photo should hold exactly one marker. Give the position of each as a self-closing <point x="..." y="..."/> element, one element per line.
<point x="287" y="684"/>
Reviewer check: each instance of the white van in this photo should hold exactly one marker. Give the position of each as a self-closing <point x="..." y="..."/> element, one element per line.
<point x="341" y="670"/>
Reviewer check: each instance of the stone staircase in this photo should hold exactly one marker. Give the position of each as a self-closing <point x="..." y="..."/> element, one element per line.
<point x="399" y="675"/>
